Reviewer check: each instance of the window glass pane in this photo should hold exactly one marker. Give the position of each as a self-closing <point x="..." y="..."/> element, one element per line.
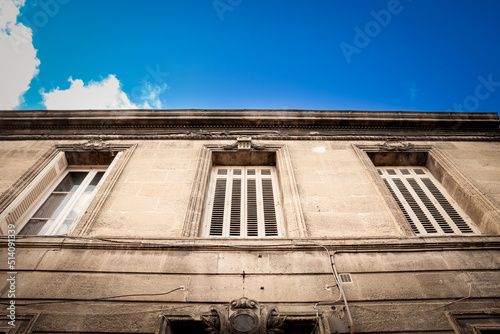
<point x="94" y="182"/>
<point x="80" y="205"/>
<point x="36" y="226"/>
<point x="71" y="182"/>
<point x="251" y="172"/>
<point x="53" y="206"/>
<point x="64" y="228"/>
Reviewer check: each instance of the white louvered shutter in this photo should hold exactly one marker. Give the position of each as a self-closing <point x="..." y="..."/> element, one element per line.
<point x="424" y="202"/>
<point x="243" y="202"/>
<point x="29" y="197"/>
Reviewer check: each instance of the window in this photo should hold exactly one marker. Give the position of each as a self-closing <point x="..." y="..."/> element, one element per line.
<point x="459" y="207"/>
<point x="425" y="204"/>
<point x="244" y="152"/>
<point x="193" y="324"/>
<point x="62" y="192"/>
<point x="243" y="201"/>
<point x="475" y="322"/>
<point x="67" y="201"/>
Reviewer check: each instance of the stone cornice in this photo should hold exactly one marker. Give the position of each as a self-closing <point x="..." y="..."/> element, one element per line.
<point x="479" y="242"/>
<point x="39" y="123"/>
<point x="207" y="135"/>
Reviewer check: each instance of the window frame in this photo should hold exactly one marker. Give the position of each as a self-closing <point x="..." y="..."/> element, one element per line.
<point x="303" y="322"/>
<point x="62" y="216"/>
<point x="294" y="225"/>
<point x="29" y="190"/>
<point x="391" y="173"/>
<point x="243" y="210"/>
<point x="474" y="321"/>
<point x="484" y="214"/>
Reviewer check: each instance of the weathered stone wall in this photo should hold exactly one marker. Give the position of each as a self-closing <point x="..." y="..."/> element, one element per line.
<point x="404" y="288"/>
<point x="390" y="290"/>
<point x="337" y="196"/>
<point x="151" y="195"/>
<point x="480" y="162"/>
<point x="336" y="193"/>
<point x="16" y="157"/>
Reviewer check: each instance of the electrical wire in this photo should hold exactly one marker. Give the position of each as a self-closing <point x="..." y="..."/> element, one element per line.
<point x="229" y="246"/>
<point x="339" y="284"/>
<point x="458" y="300"/>
<point x="100" y="299"/>
<point x="192" y="245"/>
<point x="330" y="256"/>
<point x="315" y="324"/>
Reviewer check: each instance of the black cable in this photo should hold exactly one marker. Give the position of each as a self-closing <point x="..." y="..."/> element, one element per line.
<point x="99" y="299"/>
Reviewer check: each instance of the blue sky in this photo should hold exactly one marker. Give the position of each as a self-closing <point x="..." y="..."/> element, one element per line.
<point x="251" y="54"/>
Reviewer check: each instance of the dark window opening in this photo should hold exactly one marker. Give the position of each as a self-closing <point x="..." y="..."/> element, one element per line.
<point x="398" y="158"/>
<point x="291" y="326"/>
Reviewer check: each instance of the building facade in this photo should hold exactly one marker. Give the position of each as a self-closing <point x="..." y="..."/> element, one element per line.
<point x="249" y="221"/>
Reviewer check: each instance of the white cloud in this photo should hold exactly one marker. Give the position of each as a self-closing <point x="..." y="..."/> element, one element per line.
<point x="18" y="62"/>
<point x="106" y="94"/>
<point x="150" y="94"/>
<point x="19" y="65"/>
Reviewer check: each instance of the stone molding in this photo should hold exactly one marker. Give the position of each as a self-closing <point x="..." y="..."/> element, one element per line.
<point x="267" y="124"/>
<point x="292" y="210"/>
<point x="217" y="319"/>
<point x="40" y="119"/>
<point x="223" y="319"/>
<point x="474" y="321"/>
<point x="392" y="207"/>
<point x="24" y="322"/>
<point x="115" y="169"/>
<point x="484" y="213"/>
<point x="281" y="136"/>
<point x="11" y="193"/>
<point x="393" y="144"/>
<point x="97" y="145"/>
<point x="478" y="206"/>
<point x="428" y="243"/>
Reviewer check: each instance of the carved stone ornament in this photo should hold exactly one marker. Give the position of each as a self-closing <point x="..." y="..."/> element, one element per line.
<point x="244" y="303"/>
<point x="395" y="145"/>
<point x="244" y="144"/>
<point x="95" y="144"/>
<point x="243" y="316"/>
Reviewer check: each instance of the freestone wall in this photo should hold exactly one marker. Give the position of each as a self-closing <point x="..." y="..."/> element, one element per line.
<point x="398" y="283"/>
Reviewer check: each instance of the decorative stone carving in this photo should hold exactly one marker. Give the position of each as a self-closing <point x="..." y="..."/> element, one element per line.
<point x="243" y="303"/>
<point x="243" y="316"/>
<point x="95" y="144"/>
<point x="392" y="144"/>
<point x="214" y="320"/>
<point x="274" y="321"/>
<point x="244" y="144"/>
